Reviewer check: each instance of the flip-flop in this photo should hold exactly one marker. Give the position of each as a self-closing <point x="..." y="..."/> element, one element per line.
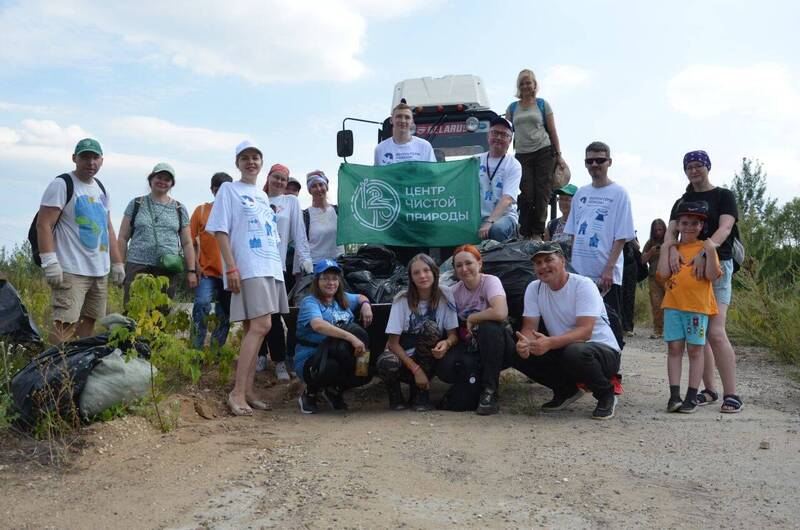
<point x="257" y="404"/>
<point x="236" y="410"/>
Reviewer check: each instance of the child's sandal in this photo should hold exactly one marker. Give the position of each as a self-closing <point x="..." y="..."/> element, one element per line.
<point x="706" y="396"/>
<point x="733" y="403"/>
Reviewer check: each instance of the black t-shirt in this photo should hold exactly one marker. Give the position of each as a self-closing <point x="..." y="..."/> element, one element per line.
<point x="720" y="201"/>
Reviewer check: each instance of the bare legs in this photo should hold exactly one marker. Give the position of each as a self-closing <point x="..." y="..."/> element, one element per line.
<point x="719" y="352"/>
<point x="255" y="331"/>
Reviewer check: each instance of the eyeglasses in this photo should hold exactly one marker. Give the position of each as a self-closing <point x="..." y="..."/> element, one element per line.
<point x="596" y="161"/>
<point x="500" y="134"/>
<point x="692" y="167"/>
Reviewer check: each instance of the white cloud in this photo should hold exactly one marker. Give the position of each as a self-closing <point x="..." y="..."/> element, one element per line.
<point x="565" y="76"/>
<point x="261" y="41"/>
<point x="160" y="132"/>
<point x="19" y="107"/>
<point x="48" y="132"/>
<point x="765" y="91"/>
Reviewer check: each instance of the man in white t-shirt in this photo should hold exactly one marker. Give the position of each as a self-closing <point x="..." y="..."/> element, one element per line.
<point x="600" y="221"/>
<point x="402" y="146"/>
<point x="579" y="346"/>
<point x="499" y="176"/>
<point x="76" y="240"/>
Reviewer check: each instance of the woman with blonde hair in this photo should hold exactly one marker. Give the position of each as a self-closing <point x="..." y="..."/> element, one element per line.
<point x="538" y="150"/>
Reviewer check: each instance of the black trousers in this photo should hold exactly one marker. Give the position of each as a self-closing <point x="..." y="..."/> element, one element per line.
<point x="338" y="368"/>
<point x="535" y="189"/>
<point x="614" y="298"/>
<point x="628" y="293"/>
<point x="457" y="366"/>
<point x="590" y="363"/>
<point x="495" y="343"/>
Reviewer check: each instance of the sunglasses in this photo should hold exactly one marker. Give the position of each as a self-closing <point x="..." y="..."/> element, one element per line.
<point x="596" y="161"/>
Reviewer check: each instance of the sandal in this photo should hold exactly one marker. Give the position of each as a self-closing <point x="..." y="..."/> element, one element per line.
<point x="236" y="410"/>
<point x="258" y="404"/>
<point x="673" y="405"/>
<point x="706" y="396"/>
<point x="688" y="407"/>
<point x="734" y="404"/>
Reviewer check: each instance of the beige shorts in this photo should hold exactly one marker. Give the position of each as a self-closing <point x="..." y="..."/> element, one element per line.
<point x="258" y="297"/>
<point x="79" y="296"/>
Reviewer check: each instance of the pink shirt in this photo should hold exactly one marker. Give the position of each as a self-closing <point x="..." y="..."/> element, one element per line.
<point x="468" y="302"/>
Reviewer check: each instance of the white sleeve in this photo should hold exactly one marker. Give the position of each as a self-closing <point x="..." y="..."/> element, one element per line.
<point x="55" y="194"/>
<point x="397" y="316"/>
<point x="218" y="219"/>
<point x="297" y="232"/>
<point x="513" y="179"/>
<point x="588" y="302"/>
<point x="623" y="224"/>
<point x="531" y="307"/>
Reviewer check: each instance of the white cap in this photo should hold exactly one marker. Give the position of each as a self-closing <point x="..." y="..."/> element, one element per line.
<point x="247" y="144"/>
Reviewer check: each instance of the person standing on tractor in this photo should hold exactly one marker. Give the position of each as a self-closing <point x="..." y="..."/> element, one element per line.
<point x="402" y="146"/>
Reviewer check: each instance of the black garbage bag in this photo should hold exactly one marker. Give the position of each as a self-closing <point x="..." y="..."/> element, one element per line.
<point x="378" y="290"/>
<point x="377" y="259"/>
<point x="362" y="282"/>
<point x="55" y="379"/>
<point x="16" y="325"/>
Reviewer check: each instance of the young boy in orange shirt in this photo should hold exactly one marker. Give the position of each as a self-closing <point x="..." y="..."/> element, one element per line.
<point x="688" y="302"/>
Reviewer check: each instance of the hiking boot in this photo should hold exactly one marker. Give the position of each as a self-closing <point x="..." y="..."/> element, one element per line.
<point x="605" y="408"/>
<point x="562" y="402"/>
<point x="422" y="401"/>
<point x="281" y="373"/>
<point x="334" y="399"/>
<point x="396" y="401"/>
<point x="487" y="404"/>
<point x="308" y="403"/>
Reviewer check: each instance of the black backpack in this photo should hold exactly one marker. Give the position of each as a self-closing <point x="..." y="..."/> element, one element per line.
<point x="33" y="236"/>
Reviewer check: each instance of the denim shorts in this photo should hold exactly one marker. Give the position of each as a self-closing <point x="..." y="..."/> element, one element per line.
<point x="722" y="285"/>
<point x="685" y="325"/>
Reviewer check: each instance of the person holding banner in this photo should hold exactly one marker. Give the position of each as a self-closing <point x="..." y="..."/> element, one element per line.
<point x="402" y="146"/>
<point x="499" y="178"/>
<point x="422" y="340"/>
<point x="482" y="311"/>
<point x="246" y="230"/>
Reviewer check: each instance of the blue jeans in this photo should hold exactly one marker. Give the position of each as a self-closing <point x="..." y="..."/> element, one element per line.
<point x="503" y="228"/>
<point x="208" y="289"/>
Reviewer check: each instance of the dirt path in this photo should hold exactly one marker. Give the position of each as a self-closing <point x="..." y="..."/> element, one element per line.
<point x="371" y="468"/>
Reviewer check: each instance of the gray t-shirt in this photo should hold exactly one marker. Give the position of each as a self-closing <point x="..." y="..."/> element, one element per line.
<point x="142" y="246"/>
<point x="530" y="133"/>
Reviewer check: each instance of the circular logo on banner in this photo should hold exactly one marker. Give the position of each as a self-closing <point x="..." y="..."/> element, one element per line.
<point x="375" y="205"/>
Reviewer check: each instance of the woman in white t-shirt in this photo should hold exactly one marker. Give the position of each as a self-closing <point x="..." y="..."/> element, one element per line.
<point x="321" y="219"/>
<point x="421" y="334"/>
<point x="290" y="230"/>
<point x="482" y="311"/>
<point x="245" y="227"/>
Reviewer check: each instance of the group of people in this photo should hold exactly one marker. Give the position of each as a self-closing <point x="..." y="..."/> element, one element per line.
<point x="244" y="249"/>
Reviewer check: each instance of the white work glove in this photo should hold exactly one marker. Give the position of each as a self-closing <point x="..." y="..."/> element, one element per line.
<point x="52" y="269"/>
<point x="117" y="273"/>
<point x="307" y="266"/>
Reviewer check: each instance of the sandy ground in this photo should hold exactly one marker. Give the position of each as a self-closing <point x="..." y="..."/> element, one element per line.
<point x="371" y="468"/>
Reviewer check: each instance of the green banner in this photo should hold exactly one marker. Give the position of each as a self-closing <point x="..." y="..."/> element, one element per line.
<point x="409" y="204"/>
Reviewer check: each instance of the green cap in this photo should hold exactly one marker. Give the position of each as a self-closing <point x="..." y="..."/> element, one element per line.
<point x="569" y="189"/>
<point x="89" y="144"/>
<point x="547" y="247"/>
<point x="163" y="166"/>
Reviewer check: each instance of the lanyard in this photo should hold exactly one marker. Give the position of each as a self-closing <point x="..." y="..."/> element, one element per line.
<point x="491" y="176"/>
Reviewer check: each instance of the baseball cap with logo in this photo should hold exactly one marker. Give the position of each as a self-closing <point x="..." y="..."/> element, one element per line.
<point x="697" y="209"/>
<point x="499" y="120"/>
<point x="326" y="265"/>
<point x="548" y="247"/>
<point x="89" y="144"/>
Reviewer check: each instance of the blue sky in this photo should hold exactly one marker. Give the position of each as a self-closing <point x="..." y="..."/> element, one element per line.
<point x="184" y="82"/>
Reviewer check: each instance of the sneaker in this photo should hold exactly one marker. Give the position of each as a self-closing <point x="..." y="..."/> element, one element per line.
<point x="280" y="371"/>
<point x="261" y="364"/>
<point x="674" y="404"/>
<point x="605" y="408"/>
<point x="334" y="399"/>
<point x="308" y="403"/>
<point x="422" y="401"/>
<point x="487" y="404"/>
<point x="688" y="407"/>
<point x="562" y="402"/>
<point x="396" y="401"/>
<point x="629" y="333"/>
